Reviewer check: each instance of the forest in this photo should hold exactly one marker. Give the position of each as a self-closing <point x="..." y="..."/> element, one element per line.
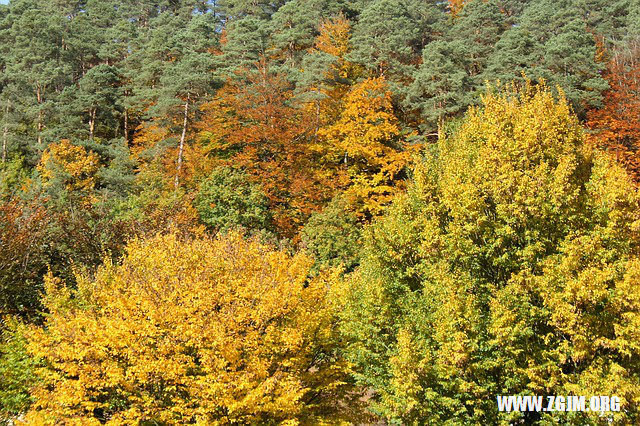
<point x="318" y="211"/>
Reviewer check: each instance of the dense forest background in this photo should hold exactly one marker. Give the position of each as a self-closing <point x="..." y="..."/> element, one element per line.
<point x="393" y="209"/>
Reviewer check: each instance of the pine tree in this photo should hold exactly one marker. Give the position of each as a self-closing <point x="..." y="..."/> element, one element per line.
<point x="453" y="68"/>
<point x="551" y="42"/>
<point x="390" y="35"/>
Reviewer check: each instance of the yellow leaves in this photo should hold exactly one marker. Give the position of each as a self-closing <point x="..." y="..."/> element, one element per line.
<point x="406" y="367"/>
<point x="366" y="139"/>
<point x="216" y="331"/>
<point x="334" y="37"/>
<point x="72" y="164"/>
<point x="367" y="120"/>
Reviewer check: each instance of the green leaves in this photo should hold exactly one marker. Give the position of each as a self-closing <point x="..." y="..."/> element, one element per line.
<point x="227" y="199"/>
<point x="500" y="271"/>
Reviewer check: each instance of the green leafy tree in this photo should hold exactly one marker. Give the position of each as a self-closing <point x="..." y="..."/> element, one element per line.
<point x="93" y="104"/>
<point x="32" y="49"/>
<point x="607" y="19"/>
<point x="510" y="267"/>
<point x="295" y="27"/>
<point x="333" y="236"/>
<point x="16" y="372"/>
<point x="228" y="199"/>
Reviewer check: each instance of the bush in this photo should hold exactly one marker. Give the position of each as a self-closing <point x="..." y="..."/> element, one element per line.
<point x="209" y="331"/>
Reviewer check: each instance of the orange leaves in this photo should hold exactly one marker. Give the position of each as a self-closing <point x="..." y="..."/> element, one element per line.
<point x="256" y="127"/>
<point x="616" y="125"/>
<point x="456" y="6"/>
<point x="334" y="40"/>
<point x="334" y="37"/>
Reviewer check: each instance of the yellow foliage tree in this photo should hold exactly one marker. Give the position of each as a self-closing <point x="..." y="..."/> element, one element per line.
<point x="71" y="165"/>
<point x="334" y="40"/>
<point x="200" y="331"/>
<point x="510" y="267"/>
<point x="366" y="139"/>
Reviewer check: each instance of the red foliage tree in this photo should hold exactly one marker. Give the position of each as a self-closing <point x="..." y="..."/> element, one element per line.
<point x="254" y="124"/>
<point x="616" y="126"/>
<point x="23" y="258"/>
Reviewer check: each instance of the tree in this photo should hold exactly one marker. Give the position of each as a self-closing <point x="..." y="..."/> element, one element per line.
<point x="69" y="167"/>
<point x="33" y="47"/>
<point x="551" y="43"/>
<point x="327" y="73"/>
<point x="333" y="237"/>
<point x="606" y="19"/>
<point x="23" y="257"/>
<point x="456" y="6"/>
<point x="97" y="96"/>
<point x="227" y="199"/>
<point x="295" y="28"/>
<point x="255" y="125"/>
<point x="509" y="268"/>
<point x="390" y="35"/>
<point x="616" y="125"/>
<point x="16" y="371"/>
<point x="243" y="44"/>
<point x="366" y="140"/>
<point x="453" y="68"/>
<point x="222" y="331"/>
<point x="174" y="72"/>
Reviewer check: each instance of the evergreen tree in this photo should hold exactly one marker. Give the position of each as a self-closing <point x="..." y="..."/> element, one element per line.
<point x="390" y="35"/>
<point x="244" y="45"/>
<point x="551" y="43"/>
<point x="453" y="68"/>
<point x="33" y="57"/>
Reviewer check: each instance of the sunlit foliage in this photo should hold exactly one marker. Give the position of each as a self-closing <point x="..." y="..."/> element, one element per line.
<point x="510" y="267"/>
<point x="209" y="331"/>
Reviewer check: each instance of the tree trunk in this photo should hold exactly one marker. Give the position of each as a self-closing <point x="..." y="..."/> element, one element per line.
<point x="126" y="126"/>
<point x="182" y="138"/>
<point x="39" y="97"/>
<point x="5" y="133"/>
<point x="92" y="122"/>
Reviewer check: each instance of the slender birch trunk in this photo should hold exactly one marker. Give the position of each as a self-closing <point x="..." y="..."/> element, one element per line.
<point x="126" y="126"/>
<point x="182" y="139"/>
<point x="5" y="133"/>
<point x="92" y="122"/>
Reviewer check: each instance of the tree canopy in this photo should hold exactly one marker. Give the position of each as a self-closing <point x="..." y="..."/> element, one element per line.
<point x="317" y="211"/>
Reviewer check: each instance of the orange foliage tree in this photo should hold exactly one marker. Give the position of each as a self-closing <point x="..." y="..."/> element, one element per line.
<point x="616" y="126"/>
<point x="456" y="6"/>
<point x="254" y="125"/>
<point x="334" y="41"/>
